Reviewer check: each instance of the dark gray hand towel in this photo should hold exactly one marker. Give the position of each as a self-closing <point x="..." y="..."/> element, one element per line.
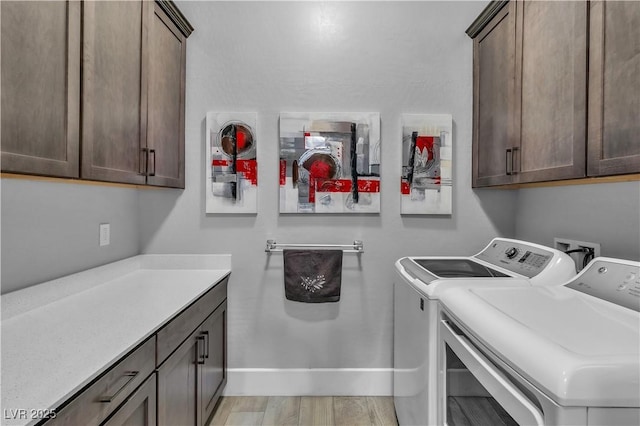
<point x="312" y="276"/>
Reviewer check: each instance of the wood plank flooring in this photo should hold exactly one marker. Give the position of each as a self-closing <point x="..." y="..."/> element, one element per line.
<point x="305" y="411"/>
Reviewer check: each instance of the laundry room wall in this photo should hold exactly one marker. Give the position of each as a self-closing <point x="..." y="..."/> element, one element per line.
<point x="272" y="57"/>
<point x="606" y="213"/>
<point x="51" y="228"/>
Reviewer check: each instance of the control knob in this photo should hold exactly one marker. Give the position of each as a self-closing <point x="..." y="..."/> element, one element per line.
<point x="511" y="252"/>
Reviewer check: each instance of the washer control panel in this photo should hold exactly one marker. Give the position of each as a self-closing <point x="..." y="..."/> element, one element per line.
<point x="614" y="281"/>
<point x="517" y="257"/>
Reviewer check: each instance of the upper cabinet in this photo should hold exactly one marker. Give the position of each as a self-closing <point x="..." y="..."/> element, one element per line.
<point x="493" y="98"/>
<point x="40" y="87"/>
<point x="551" y="81"/>
<point x="165" y="100"/>
<point x="535" y="66"/>
<point x="114" y="101"/>
<point x="132" y="97"/>
<point x="614" y="88"/>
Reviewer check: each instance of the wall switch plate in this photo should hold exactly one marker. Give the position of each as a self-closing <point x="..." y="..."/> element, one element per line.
<point x="105" y="234"/>
<point x="567" y="245"/>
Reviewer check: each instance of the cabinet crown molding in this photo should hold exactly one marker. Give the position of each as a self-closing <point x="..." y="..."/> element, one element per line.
<point x="483" y="19"/>
<point x="170" y="8"/>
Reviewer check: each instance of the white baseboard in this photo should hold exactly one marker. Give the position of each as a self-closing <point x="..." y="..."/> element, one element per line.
<point x="309" y="382"/>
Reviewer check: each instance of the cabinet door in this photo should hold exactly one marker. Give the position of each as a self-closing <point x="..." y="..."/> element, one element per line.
<point x="614" y="88"/>
<point x="40" y="87"/>
<point x="140" y="408"/>
<point x="177" y="385"/>
<point x="113" y="79"/>
<point x="493" y="99"/>
<point x="166" y="77"/>
<point x="551" y="72"/>
<point x="213" y="372"/>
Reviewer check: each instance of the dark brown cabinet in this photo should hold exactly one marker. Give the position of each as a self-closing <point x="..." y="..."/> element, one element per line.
<point x="40" y="87"/>
<point x="191" y="380"/>
<point x="165" y="100"/>
<point x="132" y="90"/>
<point x="551" y="81"/>
<point x="117" y="386"/>
<point x="139" y="409"/>
<point x="213" y="370"/>
<point x="532" y="81"/>
<point x="191" y="358"/>
<point x="494" y="91"/>
<point x="614" y="88"/>
<point x="177" y="384"/>
<point x="113" y="91"/>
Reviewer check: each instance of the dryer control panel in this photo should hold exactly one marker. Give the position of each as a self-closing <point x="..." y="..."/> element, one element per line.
<point x="612" y="280"/>
<point x="516" y="256"/>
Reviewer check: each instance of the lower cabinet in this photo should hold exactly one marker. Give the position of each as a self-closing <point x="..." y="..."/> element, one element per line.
<point x="140" y="408"/>
<point x="101" y="399"/>
<point x="191" y="380"/>
<point x="177" y="383"/>
<point x="173" y="378"/>
<point x="213" y="371"/>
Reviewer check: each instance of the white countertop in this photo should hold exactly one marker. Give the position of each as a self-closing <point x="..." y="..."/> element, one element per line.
<point x="58" y="336"/>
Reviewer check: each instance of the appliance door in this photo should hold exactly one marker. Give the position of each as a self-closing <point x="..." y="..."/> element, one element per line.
<point x="474" y="390"/>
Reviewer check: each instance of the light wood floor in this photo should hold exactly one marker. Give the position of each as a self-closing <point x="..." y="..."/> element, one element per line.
<point x="305" y="411"/>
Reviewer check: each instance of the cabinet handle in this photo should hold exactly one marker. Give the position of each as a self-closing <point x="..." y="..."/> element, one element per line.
<point x="508" y="161"/>
<point x="514" y="169"/>
<point x="153" y="151"/>
<point x="109" y="398"/>
<point x="206" y="344"/>
<point x="144" y="162"/>
<point x="200" y="358"/>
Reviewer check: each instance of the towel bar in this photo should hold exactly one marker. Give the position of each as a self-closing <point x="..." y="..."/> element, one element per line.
<point x="356" y="247"/>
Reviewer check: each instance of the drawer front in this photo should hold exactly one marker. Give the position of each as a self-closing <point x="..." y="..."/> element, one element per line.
<point x="100" y="399"/>
<point x="177" y="331"/>
<point x="140" y="408"/>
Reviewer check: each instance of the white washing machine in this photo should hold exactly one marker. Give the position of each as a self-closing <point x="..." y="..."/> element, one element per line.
<point x="420" y="282"/>
<point x="559" y="355"/>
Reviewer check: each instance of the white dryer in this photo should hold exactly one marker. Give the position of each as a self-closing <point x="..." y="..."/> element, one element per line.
<point x="421" y="281"/>
<point x="559" y="355"/>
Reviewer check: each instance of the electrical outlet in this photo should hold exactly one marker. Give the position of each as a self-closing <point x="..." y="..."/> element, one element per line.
<point x="105" y="234"/>
<point x="580" y="251"/>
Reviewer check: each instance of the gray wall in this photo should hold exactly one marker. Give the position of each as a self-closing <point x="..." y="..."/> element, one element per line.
<point x="608" y="214"/>
<point x="50" y="229"/>
<point x="270" y="57"/>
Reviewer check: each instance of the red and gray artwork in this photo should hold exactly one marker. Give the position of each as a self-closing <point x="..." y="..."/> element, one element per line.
<point x="329" y="163"/>
<point x="426" y="183"/>
<point x="232" y="167"/>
